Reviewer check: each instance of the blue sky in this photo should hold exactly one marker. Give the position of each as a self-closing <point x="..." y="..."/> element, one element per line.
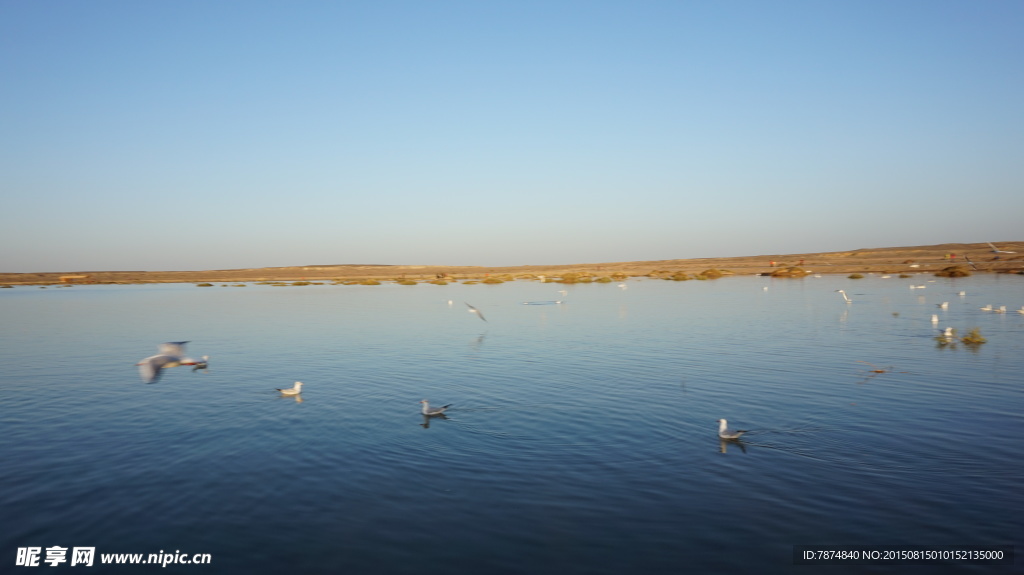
<point x="190" y="135"/>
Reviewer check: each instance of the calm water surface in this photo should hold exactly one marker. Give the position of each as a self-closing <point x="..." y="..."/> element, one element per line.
<point x="582" y="438"/>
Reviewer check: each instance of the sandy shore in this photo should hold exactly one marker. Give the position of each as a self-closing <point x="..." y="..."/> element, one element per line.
<point x="916" y="259"/>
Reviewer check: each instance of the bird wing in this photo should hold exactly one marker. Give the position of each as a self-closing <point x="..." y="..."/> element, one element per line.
<point x="476" y="311"/>
<point x="173" y="348"/>
<point x="152" y="367"/>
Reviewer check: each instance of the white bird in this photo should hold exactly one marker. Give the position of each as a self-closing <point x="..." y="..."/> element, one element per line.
<point x="725" y="433"/>
<point x="1021" y="310"/>
<point x="476" y="311"/>
<point x="962" y="294"/>
<point x="1002" y="309"/>
<point x="886" y="277"/>
<point x="848" y="300"/>
<point x="765" y="288"/>
<point x="935" y="318"/>
<point x="431" y="411"/>
<point x="172" y="354"/>
<point x="996" y="250"/>
<point x="563" y="292"/>
<point x="943" y="305"/>
<point x="948" y="333"/>
<point x="623" y="286"/>
<point x="986" y="308"/>
<point x="291" y="390"/>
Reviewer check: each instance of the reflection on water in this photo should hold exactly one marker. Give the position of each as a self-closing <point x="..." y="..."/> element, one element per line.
<point x="581" y="441"/>
<point x="723" y="445"/>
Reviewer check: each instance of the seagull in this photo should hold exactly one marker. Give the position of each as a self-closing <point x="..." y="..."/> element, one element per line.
<point x="476" y="311"/>
<point x="935" y="318"/>
<point x="431" y="411"/>
<point x="848" y="300"/>
<point x="948" y="333"/>
<point x="1002" y="309"/>
<point x="943" y="305"/>
<point x="1021" y="310"/>
<point x="962" y="294"/>
<point x="996" y="250"/>
<point x="986" y="308"/>
<point x="293" y="390"/>
<point x="725" y="433"/>
<point x="172" y="354"/>
<point x="623" y="286"/>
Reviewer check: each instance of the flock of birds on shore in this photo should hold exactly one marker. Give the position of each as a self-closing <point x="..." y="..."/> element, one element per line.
<point x="172" y="354"/>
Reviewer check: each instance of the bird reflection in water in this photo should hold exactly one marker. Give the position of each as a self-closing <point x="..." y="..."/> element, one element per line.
<point x="478" y="341"/>
<point x="427" y="418"/>
<point x="723" y="444"/>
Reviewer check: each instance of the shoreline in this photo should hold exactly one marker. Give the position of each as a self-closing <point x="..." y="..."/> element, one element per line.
<point x="978" y="258"/>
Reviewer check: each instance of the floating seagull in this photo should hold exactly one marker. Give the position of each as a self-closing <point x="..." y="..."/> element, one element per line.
<point x="292" y="390"/>
<point x="432" y="411"/>
<point x="962" y="294"/>
<point x="848" y="300"/>
<point x="172" y="354"/>
<point x="996" y="250"/>
<point x="1002" y="309"/>
<point x="886" y="277"/>
<point x="986" y="308"/>
<point x="623" y="286"/>
<point x="935" y="318"/>
<point x="943" y="305"/>
<point x="725" y="433"/>
<point x="1021" y="310"/>
<point x="948" y="334"/>
<point x="476" y="311"/>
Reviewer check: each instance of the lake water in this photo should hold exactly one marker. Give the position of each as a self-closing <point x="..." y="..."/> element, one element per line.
<point x="582" y="436"/>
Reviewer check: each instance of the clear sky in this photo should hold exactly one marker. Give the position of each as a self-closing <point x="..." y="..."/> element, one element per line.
<point x="192" y="135"/>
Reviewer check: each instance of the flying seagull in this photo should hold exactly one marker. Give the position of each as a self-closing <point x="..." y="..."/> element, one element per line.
<point x="431" y="411"/>
<point x="172" y="354"/>
<point x="476" y="311"/>
<point x="996" y="250"/>
<point x="292" y="390"/>
<point x="848" y="300"/>
<point x="725" y="433"/>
